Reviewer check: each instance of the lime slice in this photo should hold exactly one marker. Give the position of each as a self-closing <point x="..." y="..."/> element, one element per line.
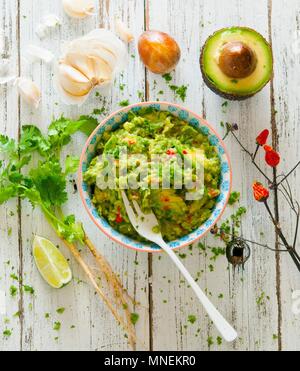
<point x="51" y="264"/>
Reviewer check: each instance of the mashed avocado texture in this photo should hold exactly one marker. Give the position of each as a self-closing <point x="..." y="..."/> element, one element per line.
<point x="148" y="133"/>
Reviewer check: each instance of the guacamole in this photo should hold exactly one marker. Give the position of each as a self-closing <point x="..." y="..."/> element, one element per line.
<point x="156" y="134"/>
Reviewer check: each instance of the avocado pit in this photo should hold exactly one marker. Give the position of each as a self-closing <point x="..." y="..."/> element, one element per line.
<point x="237" y="60"/>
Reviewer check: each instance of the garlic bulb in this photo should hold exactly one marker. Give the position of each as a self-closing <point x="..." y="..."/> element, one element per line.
<point x="35" y="54"/>
<point x="49" y="21"/>
<point x="29" y="91"/>
<point x="79" y="8"/>
<point x="88" y="62"/>
<point x="123" y="31"/>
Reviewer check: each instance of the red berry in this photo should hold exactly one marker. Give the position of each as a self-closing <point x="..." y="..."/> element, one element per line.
<point x="272" y="157"/>
<point x="262" y="139"/>
<point x="261" y="194"/>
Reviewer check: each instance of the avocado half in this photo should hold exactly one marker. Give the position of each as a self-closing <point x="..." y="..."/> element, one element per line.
<point x="236" y="63"/>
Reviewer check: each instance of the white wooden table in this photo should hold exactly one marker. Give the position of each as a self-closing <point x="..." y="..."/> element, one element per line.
<point x="166" y="302"/>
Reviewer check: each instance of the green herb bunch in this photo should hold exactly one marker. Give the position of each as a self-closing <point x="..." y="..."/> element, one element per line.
<point x="44" y="186"/>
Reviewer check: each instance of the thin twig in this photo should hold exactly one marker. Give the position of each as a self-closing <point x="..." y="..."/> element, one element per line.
<point x="297" y="228"/>
<point x="289" y="194"/>
<point x="286" y="198"/>
<point x="265" y="246"/>
<point x="256" y="152"/>
<point x="290" y="250"/>
<point x="252" y="158"/>
<point x="288" y="174"/>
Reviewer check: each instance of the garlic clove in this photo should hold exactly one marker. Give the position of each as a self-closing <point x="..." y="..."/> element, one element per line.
<point x="123" y="31"/>
<point x="7" y="79"/>
<point x="111" y="42"/>
<point x="93" y="48"/>
<point x="67" y="98"/>
<point x="95" y="69"/>
<point x="48" y="22"/>
<point x="29" y="91"/>
<point x="6" y="75"/>
<point x="52" y="20"/>
<point x="79" y="8"/>
<point x="35" y="54"/>
<point x="2" y="43"/>
<point x="73" y="81"/>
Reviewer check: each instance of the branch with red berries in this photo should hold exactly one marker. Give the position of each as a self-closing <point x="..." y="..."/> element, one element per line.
<point x="280" y="184"/>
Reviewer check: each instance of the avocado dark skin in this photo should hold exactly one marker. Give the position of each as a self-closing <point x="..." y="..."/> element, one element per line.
<point x="247" y="55"/>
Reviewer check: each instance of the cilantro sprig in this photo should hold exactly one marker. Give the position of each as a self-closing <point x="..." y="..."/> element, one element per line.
<point x="44" y="186"/>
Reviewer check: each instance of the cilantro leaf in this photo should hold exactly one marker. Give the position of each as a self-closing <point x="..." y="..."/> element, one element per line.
<point x="8" y="146"/>
<point x="61" y="130"/>
<point x="32" y="139"/>
<point x="6" y="193"/>
<point x="88" y="125"/>
<point x="71" y="165"/>
<point x="50" y="182"/>
<point x="71" y="230"/>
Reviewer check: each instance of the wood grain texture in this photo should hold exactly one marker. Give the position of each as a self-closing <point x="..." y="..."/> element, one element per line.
<point x="286" y="44"/>
<point x="241" y="290"/>
<point x="9" y="230"/>
<point x="166" y="301"/>
<point x="92" y="320"/>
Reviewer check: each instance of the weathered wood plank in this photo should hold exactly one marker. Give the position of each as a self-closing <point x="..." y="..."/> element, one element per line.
<point x="9" y="229"/>
<point x="92" y="320"/>
<point x="286" y="44"/>
<point x="172" y="302"/>
<point x="191" y="22"/>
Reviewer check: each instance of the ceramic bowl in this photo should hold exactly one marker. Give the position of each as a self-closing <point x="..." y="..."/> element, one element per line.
<point x="112" y="123"/>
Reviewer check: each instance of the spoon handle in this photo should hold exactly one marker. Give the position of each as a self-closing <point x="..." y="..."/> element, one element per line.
<point x="227" y="331"/>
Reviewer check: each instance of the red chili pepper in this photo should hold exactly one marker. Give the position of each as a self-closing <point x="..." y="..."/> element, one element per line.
<point x="171" y="152"/>
<point x="261" y="194"/>
<point x="119" y="218"/>
<point x="272" y="157"/>
<point x="262" y="139"/>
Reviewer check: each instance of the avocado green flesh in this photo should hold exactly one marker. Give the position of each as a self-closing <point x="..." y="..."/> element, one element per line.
<point x="240" y="87"/>
<point x="151" y="132"/>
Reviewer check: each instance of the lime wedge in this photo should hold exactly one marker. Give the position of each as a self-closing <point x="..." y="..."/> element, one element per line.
<point x="51" y="264"/>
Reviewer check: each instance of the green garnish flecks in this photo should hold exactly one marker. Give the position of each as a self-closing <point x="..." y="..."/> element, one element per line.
<point x="192" y="319"/>
<point x="134" y="318"/>
<point x="61" y="310"/>
<point x="124" y="103"/>
<point x="56" y="326"/>
<point x="180" y="91"/>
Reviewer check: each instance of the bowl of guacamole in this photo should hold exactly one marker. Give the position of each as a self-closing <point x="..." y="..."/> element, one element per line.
<point x="169" y="160"/>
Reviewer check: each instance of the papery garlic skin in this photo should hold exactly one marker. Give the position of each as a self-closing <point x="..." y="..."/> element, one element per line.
<point x="89" y="62"/>
<point x="29" y="91"/>
<point x="6" y="75"/>
<point x="79" y="8"/>
<point x="2" y="43"/>
<point x="35" y="54"/>
<point x="49" y="21"/>
<point x="123" y="31"/>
